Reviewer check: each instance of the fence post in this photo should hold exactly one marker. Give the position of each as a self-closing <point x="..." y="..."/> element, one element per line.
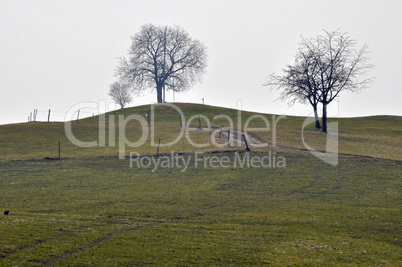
<point x="78" y="115"/>
<point x="59" y="152"/>
<point x="157" y="152"/>
<point x="199" y="123"/>
<point x="48" y="116"/>
<point x="229" y="137"/>
<point x="245" y="141"/>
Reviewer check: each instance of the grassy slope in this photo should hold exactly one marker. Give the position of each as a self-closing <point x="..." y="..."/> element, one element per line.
<point x="378" y="136"/>
<point x="91" y="208"/>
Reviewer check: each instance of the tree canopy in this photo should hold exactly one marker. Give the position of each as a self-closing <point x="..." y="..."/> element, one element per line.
<point x="121" y="94"/>
<point x="162" y="57"/>
<point x="324" y="67"/>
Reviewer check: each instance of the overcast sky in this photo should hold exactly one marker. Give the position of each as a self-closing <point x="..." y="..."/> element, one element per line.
<point x="55" y="54"/>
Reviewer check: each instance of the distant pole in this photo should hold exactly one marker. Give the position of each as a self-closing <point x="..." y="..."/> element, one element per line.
<point x="203" y="101"/>
<point x="78" y="115"/>
<point x="30" y="117"/>
<point x="157" y="152"/>
<point x="181" y="124"/>
<point x="59" y="152"/>
<point x="48" y="116"/>
<point x="245" y="141"/>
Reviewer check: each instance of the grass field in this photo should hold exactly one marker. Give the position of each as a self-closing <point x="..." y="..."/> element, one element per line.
<point x="91" y="208"/>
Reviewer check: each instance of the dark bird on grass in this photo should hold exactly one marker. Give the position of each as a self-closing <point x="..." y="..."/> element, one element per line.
<point x="6" y="212"/>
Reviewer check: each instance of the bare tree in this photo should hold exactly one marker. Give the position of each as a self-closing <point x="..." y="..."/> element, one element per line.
<point x="325" y="66"/>
<point x="163" y="57"/>
<point x="121" y="93"/>
<point x="296" y="85"/>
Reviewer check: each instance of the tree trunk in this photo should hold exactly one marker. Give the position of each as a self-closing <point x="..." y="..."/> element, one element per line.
<point x="159" y="92"/>
<point x="324" y="117"/>
<point x="317" y="120"/>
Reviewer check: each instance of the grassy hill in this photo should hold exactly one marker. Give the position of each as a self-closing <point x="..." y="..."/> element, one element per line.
<point x="378" y="136"/>
<point x="91" y="208"/>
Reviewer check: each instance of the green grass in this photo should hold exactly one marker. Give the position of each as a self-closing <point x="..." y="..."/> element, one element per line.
<point x="92" y="209"/>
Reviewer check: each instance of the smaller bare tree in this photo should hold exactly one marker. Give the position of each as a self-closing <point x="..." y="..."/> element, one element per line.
<point x="325" y="66"/>
<point x="121" y="93"/>
<point x="297" y="85"/>
<point x="338" y="67"/>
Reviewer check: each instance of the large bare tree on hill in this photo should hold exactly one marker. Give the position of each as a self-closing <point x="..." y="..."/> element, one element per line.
<point x="163" y="57"/>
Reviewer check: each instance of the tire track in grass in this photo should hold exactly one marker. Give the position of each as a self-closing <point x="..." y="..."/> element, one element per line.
<point x="301" y="190"/>
<point x="110" y="236"/>
<point x="38" y="241"/>
<point x="338" y="186"/>
<point x="96" y="242"/>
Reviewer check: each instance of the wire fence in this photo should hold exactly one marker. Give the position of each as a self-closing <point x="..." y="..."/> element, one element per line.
<point x="58" y="116"/>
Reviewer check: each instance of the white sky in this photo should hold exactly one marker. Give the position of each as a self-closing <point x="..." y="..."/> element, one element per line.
<point x="55" y="54"/>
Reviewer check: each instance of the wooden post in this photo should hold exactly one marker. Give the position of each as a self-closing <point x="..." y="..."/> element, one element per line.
<point x="78" y="115"/>
<point x="48" y="116"/>
<point x="157" y="152"/>
<point x="220" y="134"/>
<point x="181" y="124"/>
<point x="199" y="123"/>
<point x="229" y="137"/>
<point x="245" y="141"/>
<point x="59" y="152"/>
